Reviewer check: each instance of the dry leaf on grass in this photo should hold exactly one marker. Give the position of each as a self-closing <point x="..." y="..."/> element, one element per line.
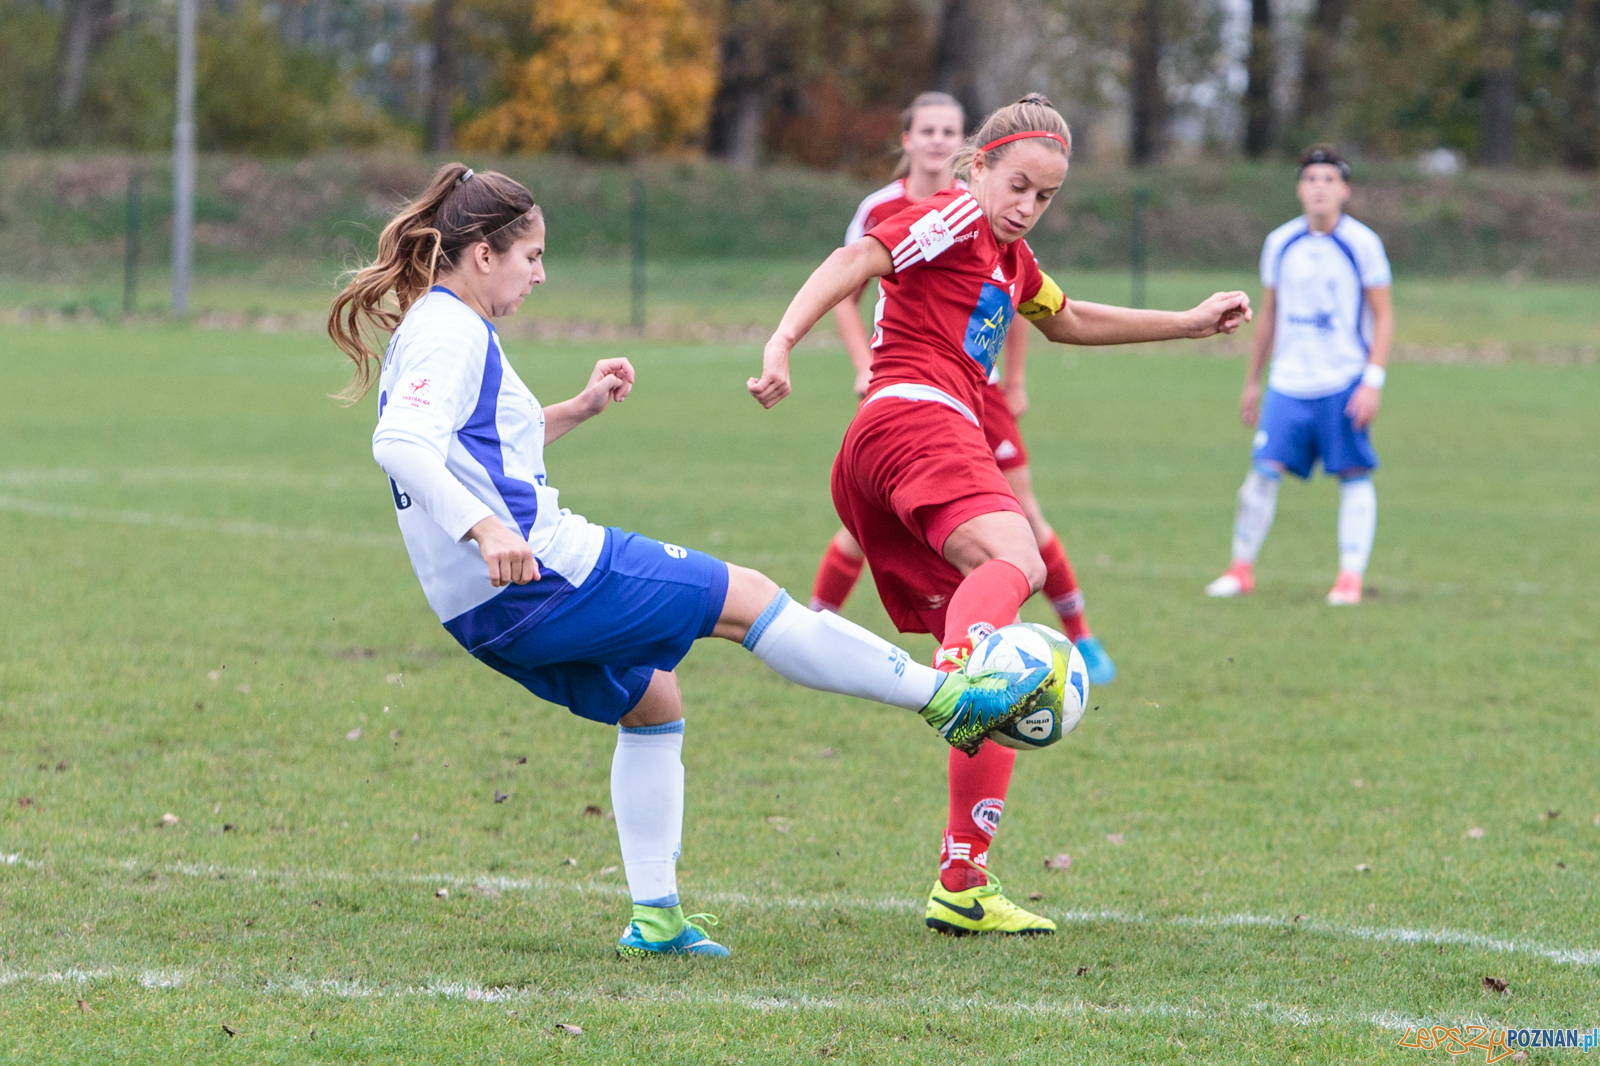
<point x="825" y="753"/>
<point x="395" y="679"/>
<point x="230" y="1030"/>
<point x="592" y="811"/>
<point x="1477" y="832"/>
<point x="1080" y="971"/>
<point x="1035" y="896"/>
<point x="169" y="819"/>
<point x="609" y="869"/>
<point x="522" y="760"/>
<point x="215" y="675"/>
<point x="354" y="734"/>
<point x="1496" y="985"/>
<point x="394" y="735"/>
<point x="83" y="1005"/>
<point x="245" y="689"/>
<point x="1058" y="862"/>
<point x="1519" y="1056"/>
<point x="1550" y="815"/>
<point x="1356" y="782"/>
<point x="441" y="893"/>
<point x="1114" y="838"/>
<point x="1363" y="868"/>
<point x="24" y="801"/>
<point x="569" y="861"/>
<point x="501" y="797"/>
<point x="229" y="827"/>
<point x="570" y="1029"/>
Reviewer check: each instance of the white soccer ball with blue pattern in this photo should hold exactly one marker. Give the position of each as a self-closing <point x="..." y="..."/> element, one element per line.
<point x="1027" y="646"/>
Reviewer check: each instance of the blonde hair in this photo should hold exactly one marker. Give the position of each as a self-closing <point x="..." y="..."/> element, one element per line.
<point x="1032" y="114"/>
<point x="908" y="118"/>
<point x="458" y="209"/>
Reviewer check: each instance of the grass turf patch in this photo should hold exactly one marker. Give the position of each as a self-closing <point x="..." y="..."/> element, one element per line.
<point x="206" y="599"/>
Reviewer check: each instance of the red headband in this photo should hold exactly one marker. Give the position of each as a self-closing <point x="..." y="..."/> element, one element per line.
<point x="1062" y="141"/>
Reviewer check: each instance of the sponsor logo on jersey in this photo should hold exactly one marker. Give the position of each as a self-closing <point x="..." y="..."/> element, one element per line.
<point x="986" y="329"/>
<point x="416" y="393"/>
<point x="931" y="234"/>
<point x="1006" y="450"/>
<point x="675" y="551"/>
<point x="999" y="275"/>
<point x="986" y="814"/>
<point x="1321" y="320"/>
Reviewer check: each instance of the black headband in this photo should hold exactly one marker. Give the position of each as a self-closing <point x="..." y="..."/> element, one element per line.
<point x="1323" y="157"/>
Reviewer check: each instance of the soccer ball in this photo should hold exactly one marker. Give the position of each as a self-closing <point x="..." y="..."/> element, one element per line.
<point x="1025" y="646"/>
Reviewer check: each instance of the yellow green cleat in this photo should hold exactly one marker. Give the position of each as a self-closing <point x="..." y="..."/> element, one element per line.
<point x="983" y="909"/>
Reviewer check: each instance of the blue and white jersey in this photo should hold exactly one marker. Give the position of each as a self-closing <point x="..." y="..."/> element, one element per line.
<point x="462" y="438"/>
<point x="1323" y="329"/>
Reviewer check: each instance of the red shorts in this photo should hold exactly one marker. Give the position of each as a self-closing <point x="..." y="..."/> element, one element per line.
<point x="1002" y="431"/>
<point x="909" y="473"/>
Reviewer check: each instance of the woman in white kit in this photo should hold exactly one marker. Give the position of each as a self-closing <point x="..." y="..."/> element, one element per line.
<point x="592" y="618"/>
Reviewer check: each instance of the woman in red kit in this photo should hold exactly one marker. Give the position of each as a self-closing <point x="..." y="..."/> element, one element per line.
<point x="916" y="482"/>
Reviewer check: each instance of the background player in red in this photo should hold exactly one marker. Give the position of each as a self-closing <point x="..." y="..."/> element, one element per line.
<point x="916" y="482"/>
<point x="930" y="134"/>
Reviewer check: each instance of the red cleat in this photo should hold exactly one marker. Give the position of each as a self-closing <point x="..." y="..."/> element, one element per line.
<point x="1238" y="581"/>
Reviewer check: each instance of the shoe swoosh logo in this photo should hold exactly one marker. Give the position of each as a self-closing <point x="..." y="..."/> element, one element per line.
<point x="974" y="912"/>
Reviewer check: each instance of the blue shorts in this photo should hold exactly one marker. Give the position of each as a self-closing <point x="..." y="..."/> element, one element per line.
<point x="1298" y="432"/>
<point x="638" y="612"/>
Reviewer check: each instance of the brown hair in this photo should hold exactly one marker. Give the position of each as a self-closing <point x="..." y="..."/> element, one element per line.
<point x="1032" y="114"/>
<point x="1325" y="154"/>
<point x="458" y="209"/>
<point x="908" y="118"/>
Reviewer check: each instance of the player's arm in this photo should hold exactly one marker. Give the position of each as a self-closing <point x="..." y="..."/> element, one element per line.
<point x="1013" y="375"/>
<point x="611" y="379"/>
<point x="847" y="316"/>
<point x="1364" y="404"/>
<point x="1082" y="322"/>
<point x="1260" y="353"/>
<point x="842" y="273"/>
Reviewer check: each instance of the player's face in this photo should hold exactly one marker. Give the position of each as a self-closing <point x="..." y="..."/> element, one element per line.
<point x="933" y="138"/>
<point x="512" y="274"/>
<point x="1322" y="189"/>
<point x="1015" y="191"/>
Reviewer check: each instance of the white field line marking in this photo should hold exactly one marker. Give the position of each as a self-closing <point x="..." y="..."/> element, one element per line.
<point x="1398" y="935"/>
<point x="15" y="859"/>
<point x="39" y="509"/>
<point x="154" y="979"/>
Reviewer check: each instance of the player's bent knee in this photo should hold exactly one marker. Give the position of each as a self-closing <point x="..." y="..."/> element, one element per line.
<point x="749" y="593"/>
<point x="661" y="703"/>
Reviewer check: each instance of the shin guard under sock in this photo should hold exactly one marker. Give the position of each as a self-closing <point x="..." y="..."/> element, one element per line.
<point x="989" y="598"/>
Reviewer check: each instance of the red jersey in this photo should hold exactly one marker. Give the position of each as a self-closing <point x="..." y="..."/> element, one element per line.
<point x="883" y="204"/>
<point x="943" y="314"/>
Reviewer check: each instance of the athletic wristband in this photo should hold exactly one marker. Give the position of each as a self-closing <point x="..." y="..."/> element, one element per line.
<point x="1373" y="376"/>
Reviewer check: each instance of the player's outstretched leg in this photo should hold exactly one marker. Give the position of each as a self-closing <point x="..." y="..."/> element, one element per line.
<point x="1358" y="526"/>
<point x="820" y="650"/>
<point x="1258" y="505"/>
<point x="838" y="573"/>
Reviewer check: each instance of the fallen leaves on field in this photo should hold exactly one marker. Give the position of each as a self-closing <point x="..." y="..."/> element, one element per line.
<point x="1477" y="832"/>
<point x="441" y="893"/>
<point x="609" y="869"/>
<point x="354" y="734"/>
<point x="245" y="689"/>
<point x="1356" y="782"/>
<point x="215" y="675"/>
<point x="825" y="753"/>
<point x="1058" y="862"/>
<point x="1035" y="896"/>
<point x="1597" y="819"/>
<point x="169" y="819"/>
<point x="1114" y="838"/>
<point x="1519" y="1056"/>
<point x="1363" y="868"/>
<point x="778" y="822"/>
<point x="1496" y="985"/>
<point x="83" y="1005"/>
<point x="569" y="861"/>
<point x="230" y="1030"/>
<point x="24" y="801"/>
<point x="501" y="797"/>
<point x="1550" y="816"/>
<point x="569" y="1028"/>
<point x="522" y="760"/>
<point x="394" y="735"/>
<point x="229" y="827"/>
<point x="1080" y="971"/>
<point x="395" y="679"/>
<point x="592" y="811"/>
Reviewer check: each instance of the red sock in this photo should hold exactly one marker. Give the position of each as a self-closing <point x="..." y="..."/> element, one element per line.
<point x="977" y="798"/>
<point x="987" y="599"/>
<point x="836" y="576"/>
<point x="1061" y="587"/>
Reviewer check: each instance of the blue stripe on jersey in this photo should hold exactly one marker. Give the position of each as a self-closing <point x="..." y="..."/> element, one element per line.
<point x="1361" y="292"/>
<point x="481" y="437"/>
<point x="1277" y="267"/>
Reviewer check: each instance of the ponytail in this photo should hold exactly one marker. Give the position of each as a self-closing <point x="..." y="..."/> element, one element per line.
<point x="458" y="209"/>
<point x="1032" y="114"/>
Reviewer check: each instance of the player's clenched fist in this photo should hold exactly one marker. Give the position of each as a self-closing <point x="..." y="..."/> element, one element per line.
<point x="1222" y="312"/>
<point x="773" y="384"/>
<point x="510" y="560"/>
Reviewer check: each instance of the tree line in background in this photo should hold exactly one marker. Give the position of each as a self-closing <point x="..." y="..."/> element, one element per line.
<point x="818" y="82"/>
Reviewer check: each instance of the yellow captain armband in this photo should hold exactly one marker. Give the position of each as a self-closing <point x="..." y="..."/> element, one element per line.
<point x="1046" y="302"/>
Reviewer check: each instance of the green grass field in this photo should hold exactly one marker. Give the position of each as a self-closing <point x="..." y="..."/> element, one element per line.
<point x="205" y="598"/>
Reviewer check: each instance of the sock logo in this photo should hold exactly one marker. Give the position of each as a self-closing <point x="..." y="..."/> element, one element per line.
<point x="986" y="814"/>
<point x="977" y="632"/>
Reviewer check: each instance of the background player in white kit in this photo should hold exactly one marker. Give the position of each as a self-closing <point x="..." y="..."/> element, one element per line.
<point x="1327" y="322"/>
<point x="591" y="618"/>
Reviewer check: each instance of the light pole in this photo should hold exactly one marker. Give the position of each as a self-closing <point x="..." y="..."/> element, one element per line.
<point x="183" y="163"/>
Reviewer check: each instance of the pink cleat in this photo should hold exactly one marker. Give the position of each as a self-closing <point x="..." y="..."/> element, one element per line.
<point x="1346" y="591"/>
<point x="1238" y="581"/>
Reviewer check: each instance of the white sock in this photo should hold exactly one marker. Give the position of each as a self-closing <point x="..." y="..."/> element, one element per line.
<point x="820" y="650"/>
<point x="647" y="799"/>
<point x="1258" y="504"/>
<point x="1358" y="523"/>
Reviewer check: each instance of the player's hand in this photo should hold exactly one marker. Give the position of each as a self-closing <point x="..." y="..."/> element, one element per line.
<point x="1017" y="400"/>
<point x="1250" y="404"/>
<point x="612" y="379"/>
<point x="863" y="382"/>
<point x="1363" y="406"/>
<point x="1222" y="312"/>
<point x="510" y="560"/>
<point x="773" y="384"/>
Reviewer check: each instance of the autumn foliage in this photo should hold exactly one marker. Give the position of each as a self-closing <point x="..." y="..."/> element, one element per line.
<point x="614" y="78"/>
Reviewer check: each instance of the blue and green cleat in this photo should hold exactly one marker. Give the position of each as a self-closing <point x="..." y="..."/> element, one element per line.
<point x="1102" y="671"/>
<point x="965" y="710"/>
<point x="689" y="939"/>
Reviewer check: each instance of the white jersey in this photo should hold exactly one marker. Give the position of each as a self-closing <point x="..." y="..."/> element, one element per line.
<point x="462" y="438"/>
<point x="1322" y="332"/>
